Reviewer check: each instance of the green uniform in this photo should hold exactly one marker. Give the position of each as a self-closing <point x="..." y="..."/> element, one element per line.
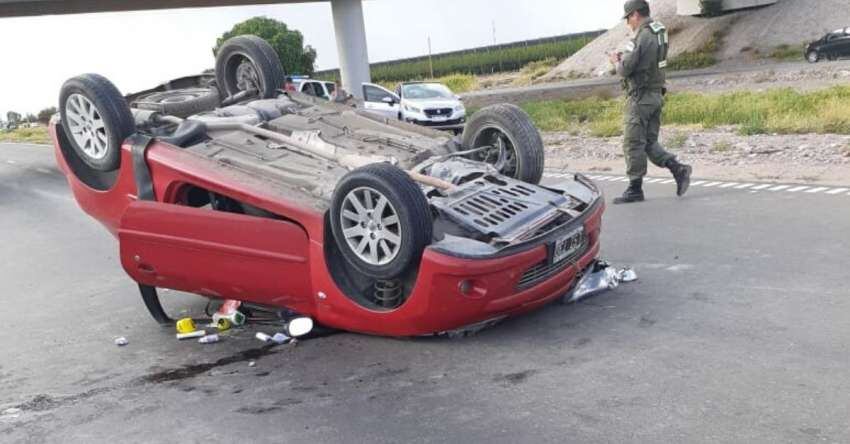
<point x="643" y="79"/>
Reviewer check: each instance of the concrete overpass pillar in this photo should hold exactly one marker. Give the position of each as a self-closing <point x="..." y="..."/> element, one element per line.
<point x="350" y="31"/>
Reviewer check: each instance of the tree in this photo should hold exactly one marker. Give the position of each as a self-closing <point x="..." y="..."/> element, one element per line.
<point x="288" y="43"/>
<point x="45" y="114"/>
<point x="13" y="117"/>
<point x="31" y="118"/>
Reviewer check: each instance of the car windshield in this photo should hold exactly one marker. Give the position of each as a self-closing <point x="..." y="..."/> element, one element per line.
<point x="426" y="91"/>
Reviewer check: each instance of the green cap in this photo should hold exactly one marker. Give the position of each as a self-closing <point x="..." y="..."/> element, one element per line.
<point x="633" y="5"/>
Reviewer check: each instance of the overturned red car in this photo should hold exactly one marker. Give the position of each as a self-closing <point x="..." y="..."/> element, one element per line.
<point x="228" y="187"/>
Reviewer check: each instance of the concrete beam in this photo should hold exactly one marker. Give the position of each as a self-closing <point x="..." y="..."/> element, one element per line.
<point x="22" y="8"/>
<point x="350" y="32"/>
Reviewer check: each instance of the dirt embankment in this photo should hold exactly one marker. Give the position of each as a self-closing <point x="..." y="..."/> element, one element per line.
<point x="744" y="35"/>
<point x="717" y="154"/>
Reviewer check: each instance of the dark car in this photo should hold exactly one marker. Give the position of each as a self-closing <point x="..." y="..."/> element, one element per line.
<point x="832" y="46"/>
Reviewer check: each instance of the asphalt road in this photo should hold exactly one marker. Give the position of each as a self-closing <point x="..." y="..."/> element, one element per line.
<point x="737" y="331"/>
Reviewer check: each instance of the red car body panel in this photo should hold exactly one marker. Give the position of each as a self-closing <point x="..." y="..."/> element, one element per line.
<point x="282" y="262"/>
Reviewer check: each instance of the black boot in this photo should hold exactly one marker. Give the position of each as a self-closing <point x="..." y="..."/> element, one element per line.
<point x="682" y="174"/>
<point x="634" y="193"/>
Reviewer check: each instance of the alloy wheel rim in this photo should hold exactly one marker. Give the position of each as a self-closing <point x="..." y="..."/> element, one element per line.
<point x="87" y="127"/>
<point x="371" y="226"/>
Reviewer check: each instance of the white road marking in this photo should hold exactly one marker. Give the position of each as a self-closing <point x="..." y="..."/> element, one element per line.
<point x="11" y="162"/>
<point x="653" y="180"/>
<point x="779" y="188"/>
<point x="743" y="186"/>
<point x="795" y="189"/>
<point x="817" y="190"/>
<point x="761" y="187"/>
<point x="727" y="185"/>
<point x="667" y="181"/>
<point x="712" y="184"/>
<point x="697" y="183"/>
<point x="622" y="179"/>
<point x="837" y="191"/>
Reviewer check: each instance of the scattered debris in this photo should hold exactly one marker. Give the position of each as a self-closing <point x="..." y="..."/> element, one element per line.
<point x="186" y="325"/>
<point x="298" y="327"/>
<point x="11" y="411"/>
<point x="209" y="339"/>
<point x="229" y="311"/>
<point x="263" y="337"/>
<point x="194" y="334"/>
<point x="122" y="341"/>
<point x="598" y="278"/>
<point x="252" y="364"/>
<point x="280" y="338"/>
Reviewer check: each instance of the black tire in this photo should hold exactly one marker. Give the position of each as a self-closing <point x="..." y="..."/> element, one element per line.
<point x="524" y="146"/>
<point x="812" y="57"/>
<point x="181" y="102"/>
<point x="109" y="106"/>
<point x="405" y="200"/>
<point x="259" y="55"/>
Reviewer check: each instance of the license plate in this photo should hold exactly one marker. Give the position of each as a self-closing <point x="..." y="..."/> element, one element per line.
<point x="567" y="245"/>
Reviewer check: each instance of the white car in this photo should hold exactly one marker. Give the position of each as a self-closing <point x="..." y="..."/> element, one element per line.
<point x="423" y="103"/>
<point x="316" y="88"/>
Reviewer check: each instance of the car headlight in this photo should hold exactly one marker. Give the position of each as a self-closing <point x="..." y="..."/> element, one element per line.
<point x="412" y="109"/>
<point x="459" y="108"/>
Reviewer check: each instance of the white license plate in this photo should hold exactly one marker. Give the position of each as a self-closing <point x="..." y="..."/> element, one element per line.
<point x="567" y="245"/>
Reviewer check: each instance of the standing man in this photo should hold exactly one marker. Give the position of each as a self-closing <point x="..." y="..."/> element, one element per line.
<point x="642" y="70"/>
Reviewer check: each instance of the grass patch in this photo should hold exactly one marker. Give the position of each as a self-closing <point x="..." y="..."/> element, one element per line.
<point x="703" y="57"/>
<point x="781" y="111"/>
<point x="535" y="70"/>
<point x="677" y="141"/>
<point x="721" y="146"/>
<point x="786" y="52"/>
<point x="36" y="135"/>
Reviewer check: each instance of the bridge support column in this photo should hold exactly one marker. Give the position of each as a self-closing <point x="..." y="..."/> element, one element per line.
<point x="350" y="32"/>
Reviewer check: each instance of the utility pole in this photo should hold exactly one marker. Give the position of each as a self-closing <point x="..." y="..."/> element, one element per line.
<point x="430" y="59"/>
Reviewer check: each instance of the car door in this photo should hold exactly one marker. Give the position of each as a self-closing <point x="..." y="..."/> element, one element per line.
<point x="842" y="46"/>
<point x="379" y="100"/>
<point x="216" y="253"/>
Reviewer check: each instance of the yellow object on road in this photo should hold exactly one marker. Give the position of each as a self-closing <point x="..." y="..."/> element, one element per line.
<point x="185" y="325"/>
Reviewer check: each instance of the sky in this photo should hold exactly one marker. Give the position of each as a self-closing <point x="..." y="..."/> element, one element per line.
<point x="138" y="50"/>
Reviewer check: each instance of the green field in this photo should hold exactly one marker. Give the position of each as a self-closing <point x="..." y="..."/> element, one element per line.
<point x="781" y="111"/>
<point x="37" y="135"/>
<point x="476" y="62"/>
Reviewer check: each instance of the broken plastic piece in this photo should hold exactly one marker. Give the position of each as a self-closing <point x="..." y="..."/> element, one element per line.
<point x="299" y="327"/>
<point x="230" y="311"/>
<point x="185" y="325"/>
<point x="280" y="338"/>
<point x="194" y="334"/>
<point x="252" y="363"/>
<point x="209" y="339"/>
<point x="599" y="277"/>
<point x="263" y="337"/>
<point x="122" y="341"/>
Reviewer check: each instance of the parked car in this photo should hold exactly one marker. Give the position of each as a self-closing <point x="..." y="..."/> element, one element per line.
<point x="422" y="103"/>
<point x="322" y="209"/>
<point x="316" y="88"/>
<point x="832" y="46"/>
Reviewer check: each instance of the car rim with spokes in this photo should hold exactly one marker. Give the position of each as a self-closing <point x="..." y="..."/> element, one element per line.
<point x="371" y="226"/>
<point x="813" y="57"/>
<point x="502" y="154"/>
<point x="87" y="127"/>
<point x="247" y="77"/>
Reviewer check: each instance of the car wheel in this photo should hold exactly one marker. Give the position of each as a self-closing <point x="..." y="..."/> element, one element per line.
<point x="812" y="57"/>
<point x="96" y="119"/>
<point x="381" y="220"/>
<point x="248" y="62"/>
<point x="516" y="146"/>
<point x="180" y="102"/>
